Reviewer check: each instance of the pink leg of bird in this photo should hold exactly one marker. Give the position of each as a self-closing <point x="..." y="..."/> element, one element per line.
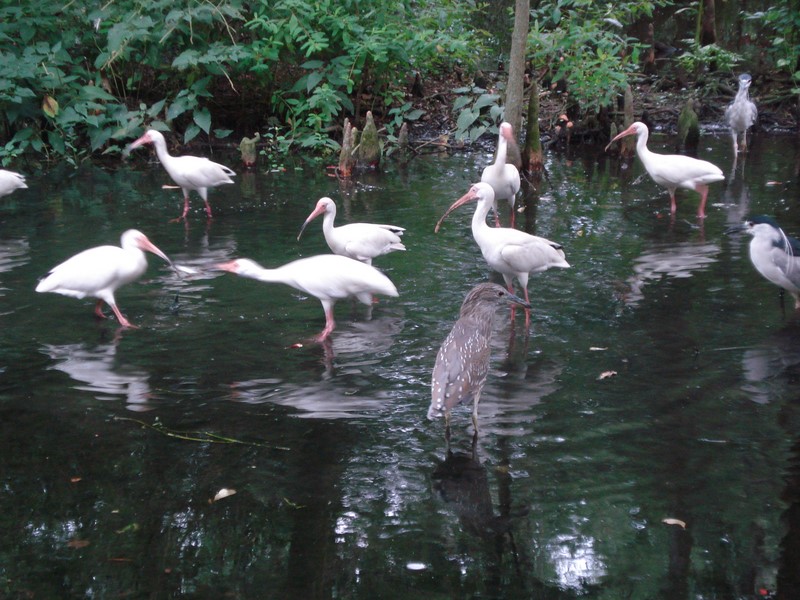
<point x="122" y="320"/>
<point x="98" y="310"/>
<point x="673" y="208"/>
<point x="330" y="324"/>
<point x="703" y="191"/>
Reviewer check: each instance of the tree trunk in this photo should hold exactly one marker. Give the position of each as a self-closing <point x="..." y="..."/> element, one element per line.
<point x="516" y="67"/>
<point x="707" y="29"/>
<point x="532" y="160"/>
<point x="346" y="155"/>
<point x="628" y="144"/>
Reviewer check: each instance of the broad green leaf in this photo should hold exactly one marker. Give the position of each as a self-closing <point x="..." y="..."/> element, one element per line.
<point x="203" y="119"/>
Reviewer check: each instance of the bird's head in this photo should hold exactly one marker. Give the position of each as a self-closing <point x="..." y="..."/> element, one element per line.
<point x="637" y="128"/>
<point x="507" y="131"/>
<point x="134" y="238"/>
<point x="481" y="192"/>
<point x="486" y="297"/>
<point x="151" y="136"/>
<point x="744" y="81"/>
<point x="243" y="267"/>
<point x="324" y="205"/>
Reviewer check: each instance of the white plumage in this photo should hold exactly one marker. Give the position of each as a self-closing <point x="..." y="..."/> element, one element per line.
<point x="741" y="114"/>
<point x="673" y="170"/>
<point x="98" y="272"/>
<point x="10" y="181"/>
<point x="328" y="277"/>
<point x="360" y="241"/>
<point x="188" y="172"/>
<point x="503" y="177"/>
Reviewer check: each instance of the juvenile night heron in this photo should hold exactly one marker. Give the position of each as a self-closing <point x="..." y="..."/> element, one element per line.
<point x="462" y="363"/>
<point x="741" y="114"/>
<point x="774" y="254"/>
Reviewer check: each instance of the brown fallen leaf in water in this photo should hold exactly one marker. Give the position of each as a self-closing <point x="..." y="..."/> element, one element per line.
<point x="75" y="543"/>
<point x="678" y="522"/>
<point x="607" y="374"/>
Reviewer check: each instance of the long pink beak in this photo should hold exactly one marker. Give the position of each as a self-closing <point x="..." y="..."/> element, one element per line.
<point x="145" y="139"/>
<point x="316" y="212"/>
<point x="468" y="197"/>
<point x="629" y="131"/>
<point x="147" y="245"/>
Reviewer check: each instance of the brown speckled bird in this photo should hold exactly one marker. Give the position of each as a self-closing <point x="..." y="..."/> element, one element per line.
<point x="462" y="363"/>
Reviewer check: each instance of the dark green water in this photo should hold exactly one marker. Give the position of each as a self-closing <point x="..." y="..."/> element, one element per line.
<point x="343" y="487"/>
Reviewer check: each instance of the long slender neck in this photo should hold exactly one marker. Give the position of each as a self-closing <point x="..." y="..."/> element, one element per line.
<point x="502" y="152"/>
<point x="327" y="221"/>
<point x="641" y="149"/>
<point x="161" y="151"/>
<point x="742" y="94"/>
<point x="479" y="225"/>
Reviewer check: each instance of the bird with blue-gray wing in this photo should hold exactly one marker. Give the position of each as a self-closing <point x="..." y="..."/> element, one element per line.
<point x="773" y="253"/>
<point x="462" y="363"/>
<point x="741" y="114"/>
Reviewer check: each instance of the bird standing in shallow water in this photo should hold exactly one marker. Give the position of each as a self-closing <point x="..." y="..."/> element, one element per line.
<point x="774" y="254"/>
<point x="98" y="272"/>
<point x="10" y="181"/>
<point x="360" y="241"/>
<point x="741" y="114"/>
<point x="462" y="362"/>
<point x="510" y="252"/>
<point x="673" y="170"/>
<point x="503" y="177"/>
<point x="328" y="277"/>
<point x="189" y="172"/>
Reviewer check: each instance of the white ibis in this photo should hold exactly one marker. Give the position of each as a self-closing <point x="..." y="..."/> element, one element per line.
<point x="98" y="272"/>
<point x="673" y="170"/>
<point x="361" y="241"/>
<point x="462" y="362"/>
<point x="773" y="253"/>
<point x="503" y="177"/>
<point x="510" y="252"/>
<point x="10" y="181"/>
<point x="741" y="114"/>
<point x="328" y="277"/>
<point x="189" y="172"/>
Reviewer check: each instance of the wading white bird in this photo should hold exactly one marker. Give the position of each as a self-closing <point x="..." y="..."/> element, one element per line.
<point x="741" y="114"/>
<point x="773" y="253"/>
<point x="510" y="252"/>
<point x="10" y="181"/>
<point x="327" y="277"/>
<point x="361" y="241"/>
<point x="503" y="177"/>
<point x="188" y="172"/>
<point x="673" y="170"/>
<point x="98" y="272"/>
<point x="462" y="362"/>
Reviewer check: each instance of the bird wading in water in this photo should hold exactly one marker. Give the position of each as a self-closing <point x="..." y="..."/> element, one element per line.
<point x="98" y="272"/>
<point x="773" y="253"/>
<point x="188" y="172"/>
<point x="502" y="176"/>
<point x="462" y="362"/>
<point x="673" y="170"/>
<point x="741" y="114"/>
<point x="327" y="277"/>
<point x="510" y="252"/>
<point x="360" y="241"/>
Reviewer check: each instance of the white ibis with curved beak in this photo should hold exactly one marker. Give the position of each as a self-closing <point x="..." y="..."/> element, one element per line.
<point x="503" y="177"/>
<point x="327" y="277"/>
<point x="673" y="170"/>
<point x="360" y="241"/>
<point x="189" y="172"/>
<point x="510" y="252"/>
<point x="10" y="181"/>
<point x="98" y="272"/>
<point x="741" y="114"/>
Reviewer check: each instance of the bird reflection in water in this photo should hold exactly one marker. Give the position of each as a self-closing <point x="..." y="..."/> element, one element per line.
<point x="673" y="261"/>
<point x="769" y="367"/>
<point x="13" y="253"/>
<point x="98" y="370"/>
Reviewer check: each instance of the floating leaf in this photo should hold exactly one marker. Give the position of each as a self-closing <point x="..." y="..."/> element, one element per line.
<point x="223" y="493"/>
<point x="678" y="522"/>
<point x="50" y="106"/>
<point x="607" y="374"/>
<point x="77" y="544"/>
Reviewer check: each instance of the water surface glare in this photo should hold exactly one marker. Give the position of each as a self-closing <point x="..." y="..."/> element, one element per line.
<point x="641" y="440"/>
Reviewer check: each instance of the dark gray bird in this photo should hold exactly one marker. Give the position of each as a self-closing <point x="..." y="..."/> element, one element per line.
<point x="462" y="363"/>
<point x="741" y="114"/>
<point x="774" y="254"/>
